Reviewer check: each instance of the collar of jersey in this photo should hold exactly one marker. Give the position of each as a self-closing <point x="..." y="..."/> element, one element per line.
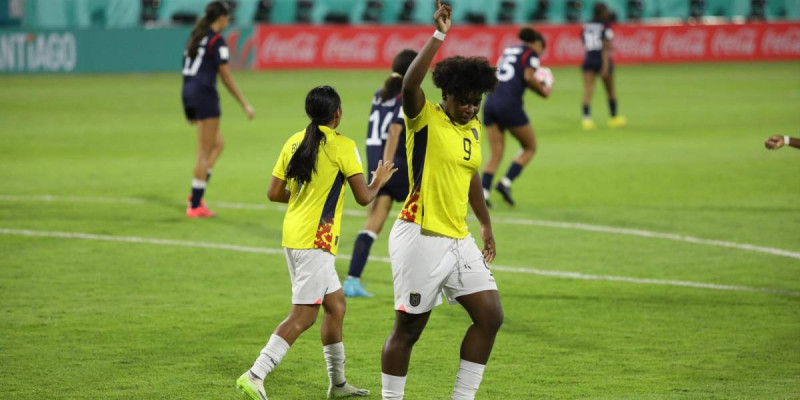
<point x="440" y="109"/>
<point x="328" y="131"/>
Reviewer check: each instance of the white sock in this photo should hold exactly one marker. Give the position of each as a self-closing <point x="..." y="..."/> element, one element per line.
<point x="468" y="380"/>
<point x="334" y="357"/>
<point x="506" y="182"/>
<point x="198" y="183"/>
<point x="271" y="355"/>
<point x="486" y="194"/>
<point x="393" y="387"/>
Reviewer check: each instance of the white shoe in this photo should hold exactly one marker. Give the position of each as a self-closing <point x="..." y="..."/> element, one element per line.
<point x="250" y="387"/>
<point x="346" y="390"/>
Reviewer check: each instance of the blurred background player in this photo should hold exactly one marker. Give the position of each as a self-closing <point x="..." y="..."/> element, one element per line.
<point x="311" y="173"/>
<point x="386" y="140"/>
<point x="206" y="54"/>
<point x="430" y="246"/>
<point x="597" y="36"/>
<point x="775" y="142"/>
<point x="504" y="109"/>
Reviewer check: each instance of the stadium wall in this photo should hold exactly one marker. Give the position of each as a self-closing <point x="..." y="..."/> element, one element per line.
<point x="267" y="47"/>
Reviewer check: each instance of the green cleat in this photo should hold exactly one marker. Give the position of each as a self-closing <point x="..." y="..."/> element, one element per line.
<point x="250" y="387"/>
<point x="346" y="390"/>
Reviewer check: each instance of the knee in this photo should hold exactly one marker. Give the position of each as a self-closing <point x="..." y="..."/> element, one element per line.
<point x="219" y="145"/>
<point x="336" y="311"/>
<point x="492" y="322"/>
<point x="406" y="337"/>
<point x="529" y="148"/>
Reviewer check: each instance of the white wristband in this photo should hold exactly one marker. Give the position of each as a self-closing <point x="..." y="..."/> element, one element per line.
<point x="439" y="35"/>
<point x="786" y="140"/>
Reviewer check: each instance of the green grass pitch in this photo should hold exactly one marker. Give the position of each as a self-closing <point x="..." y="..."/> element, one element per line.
<point x="146" y="319"/>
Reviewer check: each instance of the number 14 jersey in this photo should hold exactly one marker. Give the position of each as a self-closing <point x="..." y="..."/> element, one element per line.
<point x="443" y="157"/>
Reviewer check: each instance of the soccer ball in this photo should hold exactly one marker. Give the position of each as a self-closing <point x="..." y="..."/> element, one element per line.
<point x="544" y="76"/>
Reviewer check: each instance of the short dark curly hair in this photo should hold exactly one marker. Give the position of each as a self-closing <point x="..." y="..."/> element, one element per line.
<point x="462" y="76"/>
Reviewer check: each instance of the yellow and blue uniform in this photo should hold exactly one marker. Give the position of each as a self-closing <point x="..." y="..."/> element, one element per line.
<point x="313" y="219"/>
<point x="443" y="158"/>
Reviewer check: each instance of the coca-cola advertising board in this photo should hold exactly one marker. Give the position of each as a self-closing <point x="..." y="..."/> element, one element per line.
<point x="304" y="46"/>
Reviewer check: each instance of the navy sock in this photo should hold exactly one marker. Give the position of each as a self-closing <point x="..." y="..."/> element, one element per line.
<point x="513" y="171"/>
<point x="612" y="107"/>
<point x="487" y="180"/>
<point x="586" y="111"/>
<point x="360" y="254"/>
<point x="197" y="196"/>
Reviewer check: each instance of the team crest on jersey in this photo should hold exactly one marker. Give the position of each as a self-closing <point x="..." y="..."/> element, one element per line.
<point x="475" y="133"/>
<point x="414" y="299"/>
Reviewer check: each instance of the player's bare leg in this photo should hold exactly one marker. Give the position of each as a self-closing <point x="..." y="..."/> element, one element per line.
<point x="219" y="145"/>
<point x="377" y="212"/>
<point x="207" y="130"/>
<point x="616" y="120"/>
<point x="333" y="349"/>
<point x="588" y="91"/>
<point x="527" y="142"/>
<point x="497" y="144"/>
<point x="397" y="352"/>
<point x="487" y="316"/>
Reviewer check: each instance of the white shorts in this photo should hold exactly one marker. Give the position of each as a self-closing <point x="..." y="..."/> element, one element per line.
<point x="313" y="274"/>
<point x="424" y="266"/>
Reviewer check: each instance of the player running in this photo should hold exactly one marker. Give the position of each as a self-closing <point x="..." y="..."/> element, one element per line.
<point x="504" y="109"/>
<point x="311" y="173"/>
<point x="430" y="246"/>
<point x="206" y="54"/>
<point x="597" y="37"/>
<point x="385" y="131"/>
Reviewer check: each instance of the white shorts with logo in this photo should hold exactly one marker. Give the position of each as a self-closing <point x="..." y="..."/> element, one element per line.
<point x="424" y="266"/>
<point x="313" y="274"/>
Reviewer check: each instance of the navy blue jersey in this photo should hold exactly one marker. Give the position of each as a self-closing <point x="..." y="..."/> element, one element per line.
<point x="593" y="35"/>
<point x="511" y="73"/>
<point x="201" y="71"/>
<point x="381" y="116"/>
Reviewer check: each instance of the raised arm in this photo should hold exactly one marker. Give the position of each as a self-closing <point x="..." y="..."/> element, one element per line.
<point x="413" y="96"/>
<point x="478" y="204"/>
<point x="364" y="193"/>
<point x="227" y="79"/>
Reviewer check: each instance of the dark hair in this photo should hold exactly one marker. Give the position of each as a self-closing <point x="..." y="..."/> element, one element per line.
<point x="600" y="12"/>
<point x="214" y="10"/>
<point x="394" y="83"/>
<point x="530" y="35"/>
<point x="461" y="76"/>
<point x="321" y="105"/>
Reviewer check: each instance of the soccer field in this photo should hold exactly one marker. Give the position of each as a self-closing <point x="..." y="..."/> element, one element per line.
<point x="657" y="261"/>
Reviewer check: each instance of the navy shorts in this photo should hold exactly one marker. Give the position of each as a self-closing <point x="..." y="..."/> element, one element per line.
<point x="503" y="114"/>
<point x="397" y="187"/>
<point x="200" y="103"/>
<point x="594" y="62"/>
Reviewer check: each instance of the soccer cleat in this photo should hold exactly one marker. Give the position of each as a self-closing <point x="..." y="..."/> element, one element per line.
<point x="588" y="124"/>
<point x="199" y="212"/>
<point x="505" y="191"/>
<point x="250" y="387"/>
<point x="346" y="390"/>
<point x="617" y="122"/>
<point x="352" y="288"/>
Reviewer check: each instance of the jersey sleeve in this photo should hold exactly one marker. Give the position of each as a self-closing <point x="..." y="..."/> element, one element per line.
<point x="534" y="61"/>
<point x="219" y="50"/>
<point x="283" y="161"/>
<point x="422" y="119"/>
<point x="608" y="34"/>
<point x="349" y="160"/>
<point x="399" y="115"/>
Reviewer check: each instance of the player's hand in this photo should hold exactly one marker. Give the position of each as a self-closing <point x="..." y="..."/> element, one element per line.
<point x="546" y="90"/>
<point x="383" y="173"/>
<point x="774" y="142"/>
<point x="442" y="16"/>
<point x="489" y="250"/>
<point x="248" y="109"/>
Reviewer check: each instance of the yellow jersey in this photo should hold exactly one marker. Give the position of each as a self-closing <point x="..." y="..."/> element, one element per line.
<point x="314" y="217"/>
<point x="443" y="156"/>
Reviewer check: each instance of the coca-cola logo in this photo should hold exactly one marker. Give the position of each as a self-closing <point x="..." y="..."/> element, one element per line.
<point x="396" y="43"/>
<point x="568" y="46"/>
<point x="741" y="42"/>
<point x="692" y="43"/>
<point x="638" y="45"/>
<point x="361" y="48"/>
<point x="476" y="45"/>
<point x="299" y="48"/>
<point x="781" y="43"/>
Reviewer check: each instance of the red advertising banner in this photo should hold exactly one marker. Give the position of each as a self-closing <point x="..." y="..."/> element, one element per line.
<point x="292" y="46"/>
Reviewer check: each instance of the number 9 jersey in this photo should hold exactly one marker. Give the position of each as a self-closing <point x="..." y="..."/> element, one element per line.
<point x="200" y="98"/>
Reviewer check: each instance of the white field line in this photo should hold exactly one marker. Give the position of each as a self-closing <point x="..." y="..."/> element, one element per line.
<point x="265" y="250"/>
<point x="497" y="220"/>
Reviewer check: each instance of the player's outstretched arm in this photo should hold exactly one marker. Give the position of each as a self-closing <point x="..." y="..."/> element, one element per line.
<point x="364" y="193"/>
<point x="277" y="191"/>
<point x="534" y="84"/>
<point x="775" y="142"/>
<point x="413" y="96"/>
<point x="478" y="204"/>
<point x="227" y="79"/>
